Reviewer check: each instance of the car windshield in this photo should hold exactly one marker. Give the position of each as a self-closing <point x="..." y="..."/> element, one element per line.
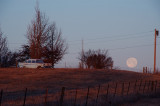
<point x="39" y="61"/>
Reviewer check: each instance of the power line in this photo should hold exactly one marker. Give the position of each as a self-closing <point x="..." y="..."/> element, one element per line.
<point x="129" y="47"/>
<point x="113" y="36"/>
<point x="122" y="35"/>
<point x="112" y="40"/>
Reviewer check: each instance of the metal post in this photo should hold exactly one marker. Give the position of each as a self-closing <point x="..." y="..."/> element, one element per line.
<point x="122" y="88"/>
<point x="87" y="97"/>
<point x="46" y="96"/>
<point x="155" y="85"/>
<point x="25" y="97"/>
<point x="135" y="85"/>
<point x="62" y="96"/>
<point x="115" y="90"/>
<point x="140" y="85"/>
<point x="98" y="94"/>
<point x="144" y="86"/>
<point x="107" y="90"/>
<point x="128" y="88"/>
<point x="149" y="85"/>
<point x="152" y="86"/>
<point x="75" y="98"/>
<point x="1" y="97"/>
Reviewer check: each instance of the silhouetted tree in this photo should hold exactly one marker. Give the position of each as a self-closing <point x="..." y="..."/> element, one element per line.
<point x="56" y="46"/>
<point x="11" y="59"/>
<point x="3" y="49"/>
<point x="23" y="54"/>
<point x="96" y="59"/>
<point x="45" y="41"/>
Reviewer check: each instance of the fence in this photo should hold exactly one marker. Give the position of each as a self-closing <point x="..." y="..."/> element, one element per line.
<point x="109" y="93"/>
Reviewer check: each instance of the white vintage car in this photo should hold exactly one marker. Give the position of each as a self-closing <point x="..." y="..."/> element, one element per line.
<point x="32" y="63"/>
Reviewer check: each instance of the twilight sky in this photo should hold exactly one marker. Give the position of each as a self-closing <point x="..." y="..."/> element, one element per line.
<point x="124" y="27"/>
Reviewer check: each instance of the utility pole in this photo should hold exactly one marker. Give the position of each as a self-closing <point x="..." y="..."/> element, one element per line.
<point x="155" y="39"/>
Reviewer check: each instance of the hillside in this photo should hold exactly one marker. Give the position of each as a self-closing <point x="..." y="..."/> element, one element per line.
<point x="44" y="86"/>
<point x="16" y="79"/>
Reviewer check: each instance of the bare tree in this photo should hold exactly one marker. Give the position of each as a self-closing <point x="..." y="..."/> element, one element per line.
<point x="3" y="48"/>
<point x="96" y="59"/>
<point x="45" y="41"/>
<point x="37" y="34"/>
<point x="56" y="46"/>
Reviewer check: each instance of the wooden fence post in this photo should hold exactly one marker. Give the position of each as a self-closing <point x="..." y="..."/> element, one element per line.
<point x="115" y="90"/>
<point x="128" y="88"/>
<point x="122" y="88"/>
<point x="87" y="97"/>
<point x="46" y="96"/>
<point x="1" y="97"/>
<point x="75" y="98"/>
<point x="62" y="96"/>
<point x="25" y="97"/>
<point x="98" y="94"/>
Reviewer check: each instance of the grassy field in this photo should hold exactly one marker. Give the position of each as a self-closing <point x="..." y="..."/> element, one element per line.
<point x="17" y="79"/>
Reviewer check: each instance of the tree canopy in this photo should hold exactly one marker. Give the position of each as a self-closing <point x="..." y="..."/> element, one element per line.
<point x="45" y="40"/>
<point x="98" y="59"/>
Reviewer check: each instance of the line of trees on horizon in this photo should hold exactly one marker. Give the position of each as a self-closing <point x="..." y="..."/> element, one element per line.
<point x="45" y="42"/>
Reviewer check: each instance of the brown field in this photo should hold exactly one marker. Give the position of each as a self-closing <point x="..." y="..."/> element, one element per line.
<point x="17" y="79"/>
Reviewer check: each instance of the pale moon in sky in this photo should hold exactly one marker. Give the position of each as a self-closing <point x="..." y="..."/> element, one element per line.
<point x="131" y="62"/>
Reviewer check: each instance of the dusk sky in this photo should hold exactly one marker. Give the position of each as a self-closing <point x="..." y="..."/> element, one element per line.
<point x="124" y="27"/>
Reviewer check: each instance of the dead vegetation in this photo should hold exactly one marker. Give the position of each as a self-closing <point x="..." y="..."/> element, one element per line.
<point x="17" y="78"/>
<point x="37" y="81"/>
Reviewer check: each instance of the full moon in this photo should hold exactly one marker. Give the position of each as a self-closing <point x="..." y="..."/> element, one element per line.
<point x="131" y="62"/>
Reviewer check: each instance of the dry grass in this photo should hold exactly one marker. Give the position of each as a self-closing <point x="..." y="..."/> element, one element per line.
<point x="17" y="79"/>
<point x="14" y="80"/>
